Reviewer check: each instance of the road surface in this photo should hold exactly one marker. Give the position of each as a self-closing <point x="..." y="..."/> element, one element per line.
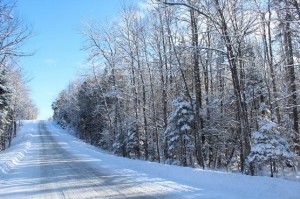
<point x="51" y="170"/>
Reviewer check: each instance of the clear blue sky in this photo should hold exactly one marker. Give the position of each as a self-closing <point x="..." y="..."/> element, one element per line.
<point x="57" y="43"/>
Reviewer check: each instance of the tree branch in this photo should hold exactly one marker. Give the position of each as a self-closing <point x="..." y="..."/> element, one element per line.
<point x="186" y="5"/>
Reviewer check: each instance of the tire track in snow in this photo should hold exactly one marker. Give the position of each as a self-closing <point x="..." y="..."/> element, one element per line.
<point x="52" y="169"/>
<point x="63" y="175"/>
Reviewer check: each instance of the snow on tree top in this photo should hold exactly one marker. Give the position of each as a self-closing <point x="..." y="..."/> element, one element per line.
<point x="267" y="125"/>
<point x="185" y="127"/>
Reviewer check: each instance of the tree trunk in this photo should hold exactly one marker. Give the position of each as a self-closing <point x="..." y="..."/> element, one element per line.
<point x="153" y="105"/>
<point x="162" y="64"/>
<point x="288" y="47"/>
<point x="198" y="121"/>
<point x="244" y="127"/>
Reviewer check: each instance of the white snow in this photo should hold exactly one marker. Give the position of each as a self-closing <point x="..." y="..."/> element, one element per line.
<point x="12" y="156"/>
<point x="182" y="181"/>
<point x="185" y="127"/>
<point x="267" y="125"/>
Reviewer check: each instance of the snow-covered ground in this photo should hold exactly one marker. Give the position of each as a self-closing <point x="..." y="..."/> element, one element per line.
<point x="34" y="168"/>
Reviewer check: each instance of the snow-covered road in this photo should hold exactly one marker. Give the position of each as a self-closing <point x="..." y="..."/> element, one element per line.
<point x="50" y="169"/>
<point x="46" y="162"/>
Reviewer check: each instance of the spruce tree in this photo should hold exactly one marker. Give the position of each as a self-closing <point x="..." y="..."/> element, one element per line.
<point x="178" y="132"/>
<point x="5" y="95"/>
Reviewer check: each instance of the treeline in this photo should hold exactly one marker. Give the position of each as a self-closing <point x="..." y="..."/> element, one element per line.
<point x="15" y="101"/>
<point x="205" y="83"/>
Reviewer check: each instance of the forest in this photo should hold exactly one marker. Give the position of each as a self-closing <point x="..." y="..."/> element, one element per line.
<point x="15" y="100"/>
<point x="211" y="84"/>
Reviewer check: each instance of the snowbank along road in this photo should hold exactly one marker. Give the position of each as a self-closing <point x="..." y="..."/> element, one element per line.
<point x="45" y="162"/>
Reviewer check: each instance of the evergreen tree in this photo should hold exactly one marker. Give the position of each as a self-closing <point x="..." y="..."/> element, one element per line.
<point x="268" y="146"/>
<point x="178" y="132"/>
<point x="5" y="101"/>
<point x="132" y="141"/>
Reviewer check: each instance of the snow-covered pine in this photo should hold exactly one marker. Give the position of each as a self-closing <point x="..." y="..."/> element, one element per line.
<point x="119" y="144"/>
<point x="131" y="140"/>
<point x="5" y="101"/>
<point x="268" y="147"/>
<point x="178" y="132"/>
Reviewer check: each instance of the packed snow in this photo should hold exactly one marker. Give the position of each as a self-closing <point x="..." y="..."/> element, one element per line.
<point x="21" y="176"/>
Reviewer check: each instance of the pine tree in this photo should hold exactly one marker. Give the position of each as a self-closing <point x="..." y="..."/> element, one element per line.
<point x="268" y="146"/>
<point x="5" y="95"/>
<point x="132" y="141"/>
<point x="178" y="132"/>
